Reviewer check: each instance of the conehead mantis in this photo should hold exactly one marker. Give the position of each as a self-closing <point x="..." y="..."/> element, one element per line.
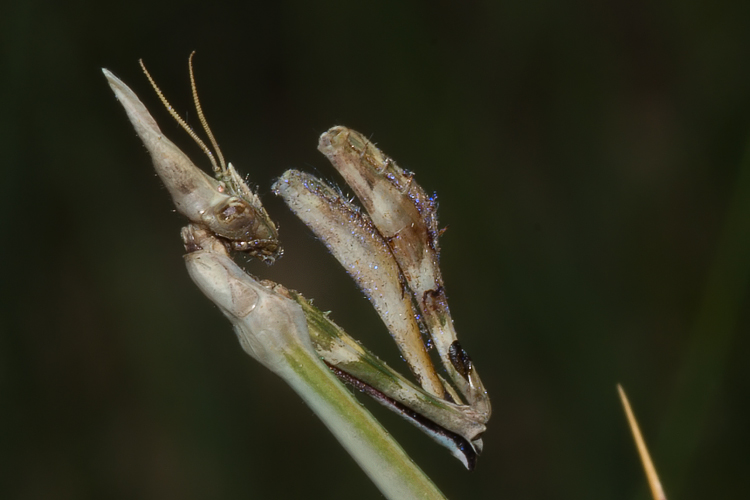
<point x="391" y="250"/>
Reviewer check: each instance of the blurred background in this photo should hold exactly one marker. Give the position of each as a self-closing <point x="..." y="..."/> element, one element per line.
<point x="591" y="161"/>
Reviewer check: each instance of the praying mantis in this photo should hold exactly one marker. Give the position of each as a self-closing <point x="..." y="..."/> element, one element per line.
<point x="389" y="247"/>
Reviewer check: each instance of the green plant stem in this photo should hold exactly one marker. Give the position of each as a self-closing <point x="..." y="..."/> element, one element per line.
<point x="376" y="452"/>
<point x="272" y="328"/>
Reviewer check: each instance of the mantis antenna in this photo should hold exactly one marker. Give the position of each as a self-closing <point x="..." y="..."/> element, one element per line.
<point x="203" y="118"/>
<point x="184" y="125"/>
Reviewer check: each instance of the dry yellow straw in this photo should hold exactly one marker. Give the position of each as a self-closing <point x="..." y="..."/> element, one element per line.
<point x="653" y="479"/>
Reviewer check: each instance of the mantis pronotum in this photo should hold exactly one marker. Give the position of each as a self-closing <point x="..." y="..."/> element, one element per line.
<point x="390" y="249"/>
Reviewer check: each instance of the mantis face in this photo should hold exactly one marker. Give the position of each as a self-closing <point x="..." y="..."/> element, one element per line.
<point x="225" y="204"/>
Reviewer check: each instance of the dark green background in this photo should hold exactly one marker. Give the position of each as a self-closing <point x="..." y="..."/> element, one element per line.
<point x="591" y="163"/>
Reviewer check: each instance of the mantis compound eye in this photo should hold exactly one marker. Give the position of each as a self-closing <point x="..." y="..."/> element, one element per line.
<point x="247" y="228"/>
<point x="235" y="219"/>
<point x="232" y="212"/>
